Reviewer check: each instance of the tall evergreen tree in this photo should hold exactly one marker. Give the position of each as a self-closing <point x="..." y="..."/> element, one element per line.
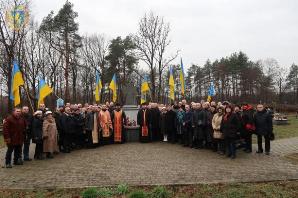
<point x="62" y="32"/>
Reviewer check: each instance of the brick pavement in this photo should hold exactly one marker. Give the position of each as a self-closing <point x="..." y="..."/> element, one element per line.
<point x="150" y="164"/>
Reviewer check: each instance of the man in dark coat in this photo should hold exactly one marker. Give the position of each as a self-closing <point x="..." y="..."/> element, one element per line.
<point x="163" y="124"/>
<point x="187" y="134"/>
<point x="208" y="131"/>
<point x="171" y="124"/>
<point x="67" y="126"/>
<point x="154" y="124"/>
<point x="79" y="122"/>
<point x="13" y="131"/>
<point x="264" y="128"/>
<point x="28" y="132"/>
<point x="57" y="115"/>
<point x="199" y="120"/>
<point x="143" y="120"/>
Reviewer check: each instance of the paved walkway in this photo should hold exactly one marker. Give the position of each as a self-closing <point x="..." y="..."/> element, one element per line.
<point x="150" y="164"/>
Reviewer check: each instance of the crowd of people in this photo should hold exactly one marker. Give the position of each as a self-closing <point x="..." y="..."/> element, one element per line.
<point x="221" y="127"/>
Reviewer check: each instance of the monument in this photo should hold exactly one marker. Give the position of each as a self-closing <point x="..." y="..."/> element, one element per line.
<point x="131" y="108"/>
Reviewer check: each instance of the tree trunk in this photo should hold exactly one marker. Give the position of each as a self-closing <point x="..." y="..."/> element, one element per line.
<point x="10" y="104"/>
<point x="159" y="85"/>
<point x="153" y="87"/>
<point x="67" y="96"/>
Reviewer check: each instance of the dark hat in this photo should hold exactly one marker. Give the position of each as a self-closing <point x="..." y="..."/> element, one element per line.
<point x="237" y="105"/>
<point x="117" y="104"/>
<point x="226" y="103"/>
<point x="229" y="106"/>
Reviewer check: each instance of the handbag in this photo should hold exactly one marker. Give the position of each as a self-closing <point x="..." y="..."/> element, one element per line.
<point x="218" y="135"/>
<point x="250" y="127"/>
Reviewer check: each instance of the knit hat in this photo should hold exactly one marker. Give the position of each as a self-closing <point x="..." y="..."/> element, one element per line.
<point x="48" y="112"/>
<point x="38" y="112"/>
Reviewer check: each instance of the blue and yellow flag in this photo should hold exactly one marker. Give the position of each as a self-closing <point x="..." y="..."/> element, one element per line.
<point x="113" y="87"/>
<point x="211" y="92"/>
<point x="16" y="82"/>
<point x="144" y="89"/>
<point x="43" y="91"/>
<point x="145" y="84"/>
<point x="182" y="79"/>
<point x="98" y="87"/>
<point x="171" y="85"/>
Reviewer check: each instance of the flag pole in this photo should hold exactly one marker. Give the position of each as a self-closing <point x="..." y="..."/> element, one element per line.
<point x="28" y="97"/>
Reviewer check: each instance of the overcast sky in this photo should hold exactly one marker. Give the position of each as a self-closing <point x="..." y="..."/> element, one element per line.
<point x="201" y="29"/>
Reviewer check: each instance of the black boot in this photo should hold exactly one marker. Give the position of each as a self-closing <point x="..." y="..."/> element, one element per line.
<point x="18" y="162"/>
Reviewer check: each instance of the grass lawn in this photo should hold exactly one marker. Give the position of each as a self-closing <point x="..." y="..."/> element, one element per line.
<point x="254" y="190"/>
<point x="287" y="131"/>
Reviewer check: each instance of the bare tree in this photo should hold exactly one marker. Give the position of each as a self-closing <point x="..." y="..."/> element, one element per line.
<point x="11" y="36"/>
<point x="92" y="56"/>
<point x="152" y="41"/>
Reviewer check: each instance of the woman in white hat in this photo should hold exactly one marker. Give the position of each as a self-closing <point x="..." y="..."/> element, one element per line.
<point x="49" y="135"/>
<point x="37" y="134"/>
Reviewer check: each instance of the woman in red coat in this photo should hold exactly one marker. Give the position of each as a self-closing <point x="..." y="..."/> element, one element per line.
<point x="13" y="130"/>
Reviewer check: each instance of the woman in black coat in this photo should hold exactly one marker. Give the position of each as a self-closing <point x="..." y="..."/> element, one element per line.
<point x="248" y="126"/>
<point x="37" y="134"/>
<point x="229" y="127"/>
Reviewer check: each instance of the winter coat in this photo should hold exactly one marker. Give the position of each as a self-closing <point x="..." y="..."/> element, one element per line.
<point x="154" y="119"/>
<point x="216" y="122"/>
<point x="37" y="130"/>
<point x="171" y="122"/>
<point x="180" y="115"/>
<point x="240" y="124"/>
<point x="79" y="123"/>
<point x="162" y="123"/>
<point x="230" y="126"/>
<point x="67" y="124"/>
<point x="187" y="119"/>
<point x="263" y="123"/>
<point x="58" y="116"/>
<point x="140" y="118"/>
<point x="49" y="134"/>
<point x="28" y="132"/>
<point x="199" y="122"/>
<point x="248" y="115"/>
<point x="14" y="130"/>
<point x="89" y="121"/>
